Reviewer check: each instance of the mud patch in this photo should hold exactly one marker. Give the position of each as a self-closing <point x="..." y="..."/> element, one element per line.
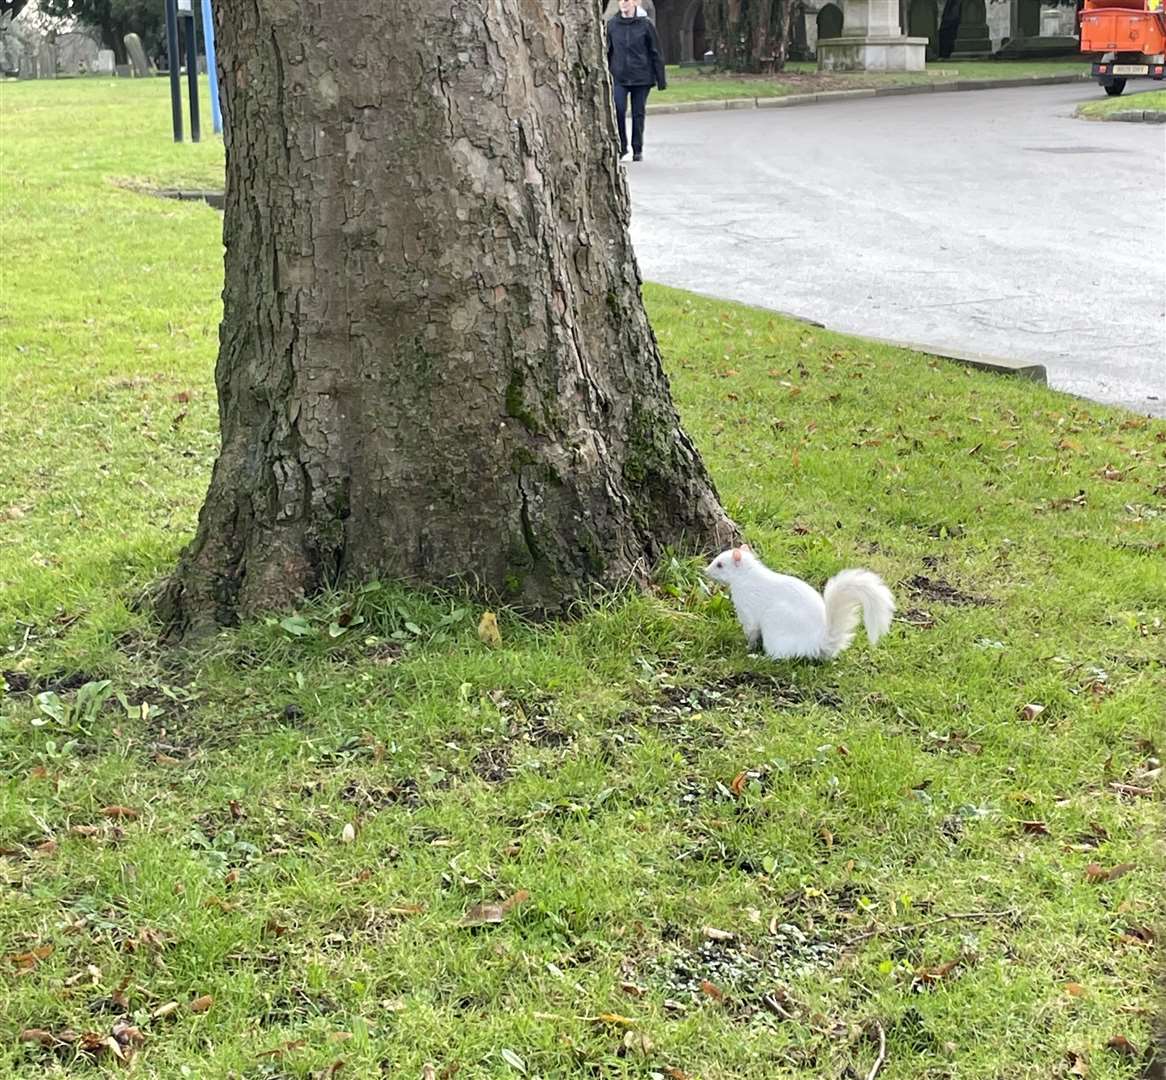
<point x="744" y="973"/>
<point x="938" y="591"/>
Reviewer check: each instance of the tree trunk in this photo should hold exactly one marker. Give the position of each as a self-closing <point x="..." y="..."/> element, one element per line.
<point x="749" y="35"/>
<point x="434" y="362"/>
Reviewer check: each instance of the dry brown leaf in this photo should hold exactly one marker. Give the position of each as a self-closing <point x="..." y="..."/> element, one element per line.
<point x="637" y="1042"/>
<point x="332" y="1069"/>
<point x="201" y="1004"/>
<point x="1074" y="989"/>
<point x="712" y="990"/>
<point x="428" y="1072"/>
<point x="1123" y="1046"/>
<point x="1031" y="711"/>
<point x="38" y="1035"/>
<point x="119" y="813"/>
<point x="929" y="976"/>
<point x="489" y="632"/>
<point x="162" y="1011"/>
<point x="1078" y="1065"/>
<point x="489" y="914"/>
<point x="1142" y="935"/>
<point x="283" y="1048"/>
<point x="232" y="877"/>
<point x="1035" y="828"/>
<point x="632" y="989"/>
<point x="1096" y="873"/>
<point x="737" y="785"/>
<point x="674" y="1073"/>
<point x="340" y="1036"/>
<point x="27" y="961"/>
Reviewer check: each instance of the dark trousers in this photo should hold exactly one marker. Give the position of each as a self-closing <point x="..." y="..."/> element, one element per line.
<point x="639" y="96"/>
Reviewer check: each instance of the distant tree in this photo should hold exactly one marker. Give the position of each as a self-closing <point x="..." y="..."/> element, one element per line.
<point x="12" y="7"/>
<point x="749" y="35"/>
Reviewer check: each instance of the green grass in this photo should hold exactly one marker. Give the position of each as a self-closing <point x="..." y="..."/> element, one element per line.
<point x="695" y="84"/>
<point x="589" y="764"/>
<point x="1143" y="101"/>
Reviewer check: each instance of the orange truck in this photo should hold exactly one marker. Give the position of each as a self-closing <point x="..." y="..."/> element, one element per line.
<point x="1130" y="38"/>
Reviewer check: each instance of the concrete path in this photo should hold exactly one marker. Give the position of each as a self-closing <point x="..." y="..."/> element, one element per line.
<point x="989" y="222"/>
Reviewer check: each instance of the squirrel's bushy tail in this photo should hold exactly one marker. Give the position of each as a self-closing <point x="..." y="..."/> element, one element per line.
<point x="845" y="594"/>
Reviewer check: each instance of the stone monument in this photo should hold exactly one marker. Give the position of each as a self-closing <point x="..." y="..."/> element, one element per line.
<point x="137" y="55"/>
<point x="872" y="40"/>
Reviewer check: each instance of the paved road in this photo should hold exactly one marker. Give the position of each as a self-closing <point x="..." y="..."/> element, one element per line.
<point x="987" y="221"/>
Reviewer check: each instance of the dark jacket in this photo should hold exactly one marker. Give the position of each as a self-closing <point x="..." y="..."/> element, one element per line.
<point x="633" y="52"/>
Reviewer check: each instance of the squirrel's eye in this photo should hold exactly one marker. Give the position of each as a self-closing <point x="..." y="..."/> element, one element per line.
<point x="720" y="564"/>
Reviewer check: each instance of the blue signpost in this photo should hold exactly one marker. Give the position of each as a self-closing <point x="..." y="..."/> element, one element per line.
<point x="212" y="67"/>
<point x="183" y="10"/>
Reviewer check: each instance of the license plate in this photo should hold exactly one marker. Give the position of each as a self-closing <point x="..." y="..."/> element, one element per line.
<point x="1131" y="69"/>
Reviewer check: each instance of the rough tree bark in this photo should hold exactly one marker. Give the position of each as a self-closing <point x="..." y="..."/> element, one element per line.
<point x="434" y="363"/>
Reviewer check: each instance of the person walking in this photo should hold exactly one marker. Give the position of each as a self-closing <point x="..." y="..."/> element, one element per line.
<point x="633" y="55"/>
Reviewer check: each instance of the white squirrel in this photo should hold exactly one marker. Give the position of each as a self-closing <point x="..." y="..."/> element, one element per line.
<point x="790" y="617"/>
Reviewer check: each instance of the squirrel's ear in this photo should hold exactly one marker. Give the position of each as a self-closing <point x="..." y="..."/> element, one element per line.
<point x="736" y="555"/>
<point x="746" y="547"/>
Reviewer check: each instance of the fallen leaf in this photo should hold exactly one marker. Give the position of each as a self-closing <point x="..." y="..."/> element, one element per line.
<point x="1031" y="711"/>
<point x="637" y="1042"/>
<point x="340" y="1036"/>
<point x="674" y="1073"/>
<point x="162" y="1011"/>
<point x="1095" y="872"/>
<point x="1074" y="989"/>
<point x="1078" y="1065"/>
<point x="283" y="1048"/>
<point x="488" y="914"/>
<point x="201" y="1004"/>
<point x="713" y="934"/>
<point x="348" y="833"/>
<point x="406" y="909"/>
<point x="1143" y="935"/>
<point x="615" y="1020"/>
<point x="428" y="1072"/>
<point x="332" y="1069"/>
<point x="739" y="781"/>
<point x="232" y="877"/>
<point x="27" y="961"/>
<point x="1035" y="828"/>
<point x="713" y="991"/>
<point x="488" y="630"/>
<point x="632" y="989"/>
<point x="38" y="1035"/>
<point x="1123" y="1046"/>
<point x="513" y="1060"/>
<point x="929" y="976"/>
<point x="119" y="813"/>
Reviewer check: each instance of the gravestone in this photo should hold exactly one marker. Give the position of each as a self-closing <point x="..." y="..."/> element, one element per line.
<point x="46" y="61"/>
<point x="973" y="38"/>
<point x="923" y="21"/>
<point x="105" y="61"/>
<point x="123" y="71"/>
<point x="137" y="55"/>
<point x="830" y="21"/>
<point x="76" y="52"/>
<point x="27" y="68"/>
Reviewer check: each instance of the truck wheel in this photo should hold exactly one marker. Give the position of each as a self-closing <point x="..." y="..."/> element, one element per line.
<point x="1114" y="87"/>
